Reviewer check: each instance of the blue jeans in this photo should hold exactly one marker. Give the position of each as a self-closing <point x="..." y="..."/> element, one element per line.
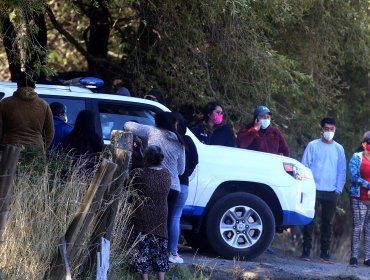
<point x="174" y="220"/>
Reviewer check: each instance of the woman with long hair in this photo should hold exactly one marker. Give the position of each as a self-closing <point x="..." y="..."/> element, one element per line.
<point x="212" y="130"/>
<point x="165" y="136"/>
<point x="84" y="143"/>
<point x="191" y="161"/>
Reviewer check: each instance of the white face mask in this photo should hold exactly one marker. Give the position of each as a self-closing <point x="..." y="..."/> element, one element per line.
<point x="328" y="135"/>
<point x="265" y="123"/>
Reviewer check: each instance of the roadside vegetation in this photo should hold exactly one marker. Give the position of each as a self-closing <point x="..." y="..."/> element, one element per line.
<point x="47" y="193"/>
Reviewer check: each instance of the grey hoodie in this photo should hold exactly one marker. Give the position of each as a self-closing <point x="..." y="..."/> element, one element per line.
<point x="173" y="150"/>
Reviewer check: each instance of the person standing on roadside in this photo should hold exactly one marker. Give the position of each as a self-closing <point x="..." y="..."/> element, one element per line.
<point x="61" y="127"/>
<point x="259" y="135"/>
<point x="165" y="136"/>
<point x="211" y="130"/>
<point x="150" y="237"/>
<point x="84" y="143"/>
<point x="26" y="119"/>
<point x="326" y="159"/>
<point x="359" y="169"/>
<point x="191" y="161"/>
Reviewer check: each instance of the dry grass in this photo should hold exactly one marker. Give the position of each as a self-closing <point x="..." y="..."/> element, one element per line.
<point x="46" y="196"/>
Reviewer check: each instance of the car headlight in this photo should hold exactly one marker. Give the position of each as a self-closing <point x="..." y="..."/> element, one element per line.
<point x="295" y="171"/>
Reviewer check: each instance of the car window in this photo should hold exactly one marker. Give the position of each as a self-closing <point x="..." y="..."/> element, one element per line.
<point x="113" y="116"/>
<point x="73" y="105"/>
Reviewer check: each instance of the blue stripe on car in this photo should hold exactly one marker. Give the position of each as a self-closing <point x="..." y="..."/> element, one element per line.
<point x="294" y="218"/>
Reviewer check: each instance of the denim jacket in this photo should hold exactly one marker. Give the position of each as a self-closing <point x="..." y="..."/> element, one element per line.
<point x="356" y="180"/>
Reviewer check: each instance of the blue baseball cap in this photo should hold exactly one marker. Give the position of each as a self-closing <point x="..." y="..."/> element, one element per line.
<point x="261" y="110"/>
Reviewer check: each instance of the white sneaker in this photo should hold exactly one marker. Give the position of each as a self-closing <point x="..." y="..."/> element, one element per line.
<point x="175" y="259"/>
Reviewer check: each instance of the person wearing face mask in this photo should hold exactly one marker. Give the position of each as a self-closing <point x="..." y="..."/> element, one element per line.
<point x="211" y="130"/>
<point x="259" y="135"/>
<point x="326" y="159"/>
<point x="360" y="148"/>
<point x="61" y="127"/>
<point x="359" y="170"/>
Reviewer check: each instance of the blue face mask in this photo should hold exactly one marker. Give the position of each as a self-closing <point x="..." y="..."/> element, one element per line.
<point x="265" y="123"/>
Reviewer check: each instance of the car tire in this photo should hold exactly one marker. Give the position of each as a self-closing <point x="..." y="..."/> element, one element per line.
<point x="240" y="225"/>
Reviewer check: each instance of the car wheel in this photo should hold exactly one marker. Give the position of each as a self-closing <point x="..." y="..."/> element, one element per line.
<point x="240" y="225"/>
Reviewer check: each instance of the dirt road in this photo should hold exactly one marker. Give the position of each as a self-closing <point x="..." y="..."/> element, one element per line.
<point x="279" y="265"/>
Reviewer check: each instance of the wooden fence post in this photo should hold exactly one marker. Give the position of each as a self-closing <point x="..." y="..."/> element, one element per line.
<point x="122" y="148"/>
<point x="70" y="243"/>
<point x="8" y="166"/>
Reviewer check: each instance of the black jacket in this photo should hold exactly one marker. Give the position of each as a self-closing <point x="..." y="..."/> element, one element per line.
<point x="191" y="159"/>
<point x="222" y="135"/>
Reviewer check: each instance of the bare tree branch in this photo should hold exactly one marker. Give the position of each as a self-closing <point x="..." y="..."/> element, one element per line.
<point x="99" y="61"/>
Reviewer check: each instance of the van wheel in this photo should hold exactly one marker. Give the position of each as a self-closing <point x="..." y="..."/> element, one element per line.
<point x="240" y="225"/>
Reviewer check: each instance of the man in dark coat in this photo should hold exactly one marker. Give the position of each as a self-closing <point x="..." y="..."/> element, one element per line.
<point x="26" y="119"/>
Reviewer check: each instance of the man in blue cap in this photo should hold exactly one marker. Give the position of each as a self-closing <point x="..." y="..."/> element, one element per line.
<point x="259" y="135"/>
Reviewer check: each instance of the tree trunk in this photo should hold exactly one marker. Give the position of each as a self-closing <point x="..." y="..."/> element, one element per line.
<point x="36" y="51"/>
<point x="98" y="37"/>
<point x="11" y="47"/>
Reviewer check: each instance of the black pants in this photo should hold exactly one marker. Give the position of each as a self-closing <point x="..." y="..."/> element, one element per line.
<point x="328" y="203"/>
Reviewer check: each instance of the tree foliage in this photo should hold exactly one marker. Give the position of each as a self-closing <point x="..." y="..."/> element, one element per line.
<point x="304" y="59"/>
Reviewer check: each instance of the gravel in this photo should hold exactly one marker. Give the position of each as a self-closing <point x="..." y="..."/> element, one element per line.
<point x="277" y="265"/>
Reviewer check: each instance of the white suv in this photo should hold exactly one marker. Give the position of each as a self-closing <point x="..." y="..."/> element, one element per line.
<point x="237" y="198"/>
